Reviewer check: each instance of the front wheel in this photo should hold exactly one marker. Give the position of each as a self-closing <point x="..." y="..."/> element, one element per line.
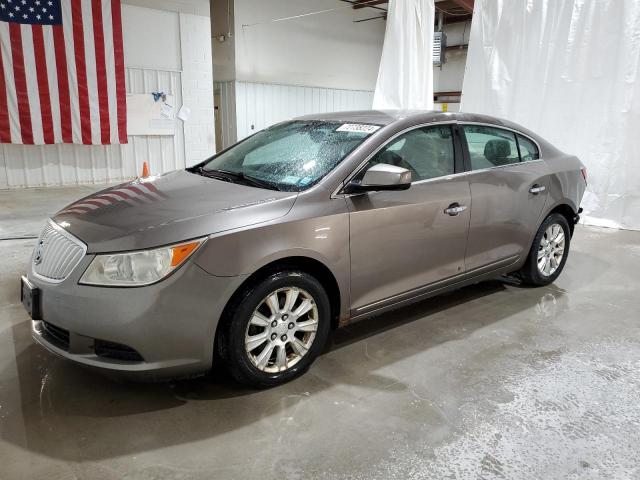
<point x="548" y="253"/>
<point x="278" y="328"/>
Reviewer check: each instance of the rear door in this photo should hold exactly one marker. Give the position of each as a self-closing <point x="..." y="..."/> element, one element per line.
<point x="509" y="184"/>
<point x="404" y="240"/>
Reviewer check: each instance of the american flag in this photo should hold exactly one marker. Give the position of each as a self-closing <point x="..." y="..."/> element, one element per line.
<point x="62" y="72"/>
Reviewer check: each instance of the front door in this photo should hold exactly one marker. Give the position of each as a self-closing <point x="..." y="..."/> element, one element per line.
<point x="404" y="240"/>
<point x="509" y="184"/>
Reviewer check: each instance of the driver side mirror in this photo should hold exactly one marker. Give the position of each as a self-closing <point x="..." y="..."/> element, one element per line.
<point x="381" y="177"/>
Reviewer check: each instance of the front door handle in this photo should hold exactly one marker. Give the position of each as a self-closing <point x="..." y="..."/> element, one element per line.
<point x="536" y="189"/>
<point x="454" y="209"/>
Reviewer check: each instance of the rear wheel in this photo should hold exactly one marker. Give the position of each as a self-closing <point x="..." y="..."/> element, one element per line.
<point x="276" y="329"/>
<point x="548" y="253"/>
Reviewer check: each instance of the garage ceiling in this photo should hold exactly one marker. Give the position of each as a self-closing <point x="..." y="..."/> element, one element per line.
<point x="452" y="10"/>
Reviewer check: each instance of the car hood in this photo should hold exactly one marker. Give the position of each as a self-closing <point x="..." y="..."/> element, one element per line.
<point x="166" y="209"/>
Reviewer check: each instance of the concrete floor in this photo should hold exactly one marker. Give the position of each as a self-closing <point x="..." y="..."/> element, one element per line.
<point x="493" y="381"/>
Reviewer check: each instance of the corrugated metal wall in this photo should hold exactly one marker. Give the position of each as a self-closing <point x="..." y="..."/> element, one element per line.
<point x="259" y="105"/>
<point x="47" y="165"/>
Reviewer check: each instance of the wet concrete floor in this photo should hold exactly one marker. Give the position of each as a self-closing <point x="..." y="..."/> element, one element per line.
<point x="492" y="381"/>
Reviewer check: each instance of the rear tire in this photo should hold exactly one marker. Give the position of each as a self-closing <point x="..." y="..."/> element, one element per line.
<point x="275" y="329"/>
<point x="549" y="252"/>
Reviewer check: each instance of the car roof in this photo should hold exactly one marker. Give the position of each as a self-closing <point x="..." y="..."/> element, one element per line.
<point x="378" y="117"/>
<point x="386" y="117"/>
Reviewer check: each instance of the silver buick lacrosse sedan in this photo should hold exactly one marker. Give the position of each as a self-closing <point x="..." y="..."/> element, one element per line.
<point x="253" y="256"/>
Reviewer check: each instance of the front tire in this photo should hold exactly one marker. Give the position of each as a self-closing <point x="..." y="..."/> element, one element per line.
<point x="275" y="329"/>
<point x="548" y="253"/>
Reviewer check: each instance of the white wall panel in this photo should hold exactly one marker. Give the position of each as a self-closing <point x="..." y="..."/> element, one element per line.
<point x="259" y="105"/>
<point x="328" y="50"/>
<point x="47" y="165"/>
<point x="3" y="171"/>
<point x="151" y="37"/>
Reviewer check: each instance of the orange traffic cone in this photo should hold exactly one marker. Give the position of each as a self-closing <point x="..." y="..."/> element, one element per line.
<point x="145" y="170"/>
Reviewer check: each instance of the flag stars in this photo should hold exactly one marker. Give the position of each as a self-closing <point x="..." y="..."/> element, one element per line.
<point x="17" y="8"/>
<point x="11" y="14"/>
<point x="2" y="6"/>
<point x="25" y="16"/>
<point x="44" y="10"/>
<point x="50" y="17"/>
<point x="38" y="16"/>
<point x="24" y="2"/>
<point x="31" y="9"/>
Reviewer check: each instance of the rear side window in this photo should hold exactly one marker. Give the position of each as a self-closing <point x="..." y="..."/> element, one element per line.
<point x="490" y="147"/>
<point x="528" y="149"/>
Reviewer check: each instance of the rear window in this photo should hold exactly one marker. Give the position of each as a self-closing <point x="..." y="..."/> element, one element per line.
<point x="528" y="149"/>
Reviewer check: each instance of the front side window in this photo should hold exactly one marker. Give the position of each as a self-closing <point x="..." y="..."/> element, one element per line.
<point x="289" y="156"/>
<point x="426" y="152"/>
<point x="490" y="147"/>
<point x="528" y="149"/>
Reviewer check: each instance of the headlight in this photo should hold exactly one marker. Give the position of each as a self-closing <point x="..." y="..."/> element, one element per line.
<point x="133" y="269"/>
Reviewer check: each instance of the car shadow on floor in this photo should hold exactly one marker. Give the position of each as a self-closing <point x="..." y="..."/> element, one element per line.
<point x="64" y="411"/>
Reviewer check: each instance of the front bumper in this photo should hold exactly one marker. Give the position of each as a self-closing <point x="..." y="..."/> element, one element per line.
<point x="164" y="329"/>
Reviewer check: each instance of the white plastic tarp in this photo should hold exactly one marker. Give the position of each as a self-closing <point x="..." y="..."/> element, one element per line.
<point x="405" y="77"/>
<point x="568" y="70"/>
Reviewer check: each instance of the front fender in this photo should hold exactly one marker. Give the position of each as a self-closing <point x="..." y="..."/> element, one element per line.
<point x="323" y="238"/>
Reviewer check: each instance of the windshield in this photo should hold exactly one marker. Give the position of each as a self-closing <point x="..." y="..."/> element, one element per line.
<point x="289" y="156"/>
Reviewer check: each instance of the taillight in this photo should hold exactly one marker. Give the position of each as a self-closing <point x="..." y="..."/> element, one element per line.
<point x="584" y="173"/>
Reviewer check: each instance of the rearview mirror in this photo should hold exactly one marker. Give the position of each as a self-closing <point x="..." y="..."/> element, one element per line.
<point x="381" y="177"/>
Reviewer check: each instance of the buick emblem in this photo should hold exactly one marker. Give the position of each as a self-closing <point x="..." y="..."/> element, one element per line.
<point x="37" y="256"/>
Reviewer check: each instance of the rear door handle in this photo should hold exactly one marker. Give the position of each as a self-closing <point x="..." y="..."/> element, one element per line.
<point x="454" y="209"/>
<point x="536" y="189"/>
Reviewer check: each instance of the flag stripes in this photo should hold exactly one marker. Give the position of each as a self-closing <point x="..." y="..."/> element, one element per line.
<point x="62" y="77"/>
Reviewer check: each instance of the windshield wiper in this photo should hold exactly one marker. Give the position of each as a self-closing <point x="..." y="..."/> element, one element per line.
<point x="210" y="174"/>
<point x="235" y="176"/>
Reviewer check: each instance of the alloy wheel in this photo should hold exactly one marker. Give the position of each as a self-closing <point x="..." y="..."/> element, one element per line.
<point x="281" y="330"/>
<point x="551" y="250"/>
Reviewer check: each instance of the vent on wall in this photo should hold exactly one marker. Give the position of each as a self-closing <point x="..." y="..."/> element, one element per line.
<point x="439" y="47"/>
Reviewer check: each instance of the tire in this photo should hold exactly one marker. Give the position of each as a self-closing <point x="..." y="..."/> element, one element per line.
<point x="532" y="273"/>
<point x="294" y="345"/>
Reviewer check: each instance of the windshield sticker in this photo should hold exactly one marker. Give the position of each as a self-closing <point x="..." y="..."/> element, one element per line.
<point x="290" y="179"/>
<point x="305" y="180"/>
<point x="357" y="128"/>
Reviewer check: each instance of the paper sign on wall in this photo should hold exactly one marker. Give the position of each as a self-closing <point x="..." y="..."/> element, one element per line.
<point x="148" y="117"/>
<point x="166" y="110"/>
<point x="183" y="113"/>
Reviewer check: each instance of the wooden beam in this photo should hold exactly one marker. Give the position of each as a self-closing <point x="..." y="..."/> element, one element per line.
<point x="368" y="3"/>
<point x="466" y="4"/>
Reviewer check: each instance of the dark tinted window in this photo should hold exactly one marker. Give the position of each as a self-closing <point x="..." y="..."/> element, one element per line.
<point x="528" y="149"/>
<point x="490" y="147"/>
<point x="427" y="152"/>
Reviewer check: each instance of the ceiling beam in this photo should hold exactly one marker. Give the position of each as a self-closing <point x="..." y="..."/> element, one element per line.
<point x="368" y="3"/>
<point x="466" y="4"/>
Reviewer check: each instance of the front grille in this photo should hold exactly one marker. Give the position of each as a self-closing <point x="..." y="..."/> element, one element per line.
<point x="116" y="351"/>
<point x="57" y="253"/>
<point x="55" y="335"/>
